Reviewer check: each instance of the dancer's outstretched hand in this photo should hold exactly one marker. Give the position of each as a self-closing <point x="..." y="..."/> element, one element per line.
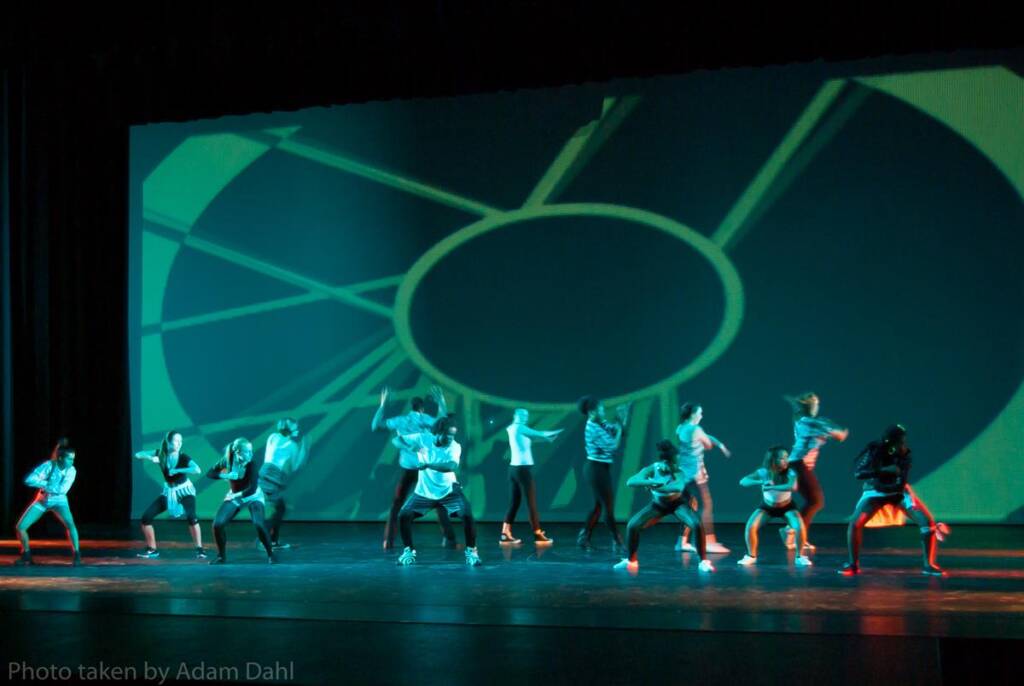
<point x="384" y="396"/>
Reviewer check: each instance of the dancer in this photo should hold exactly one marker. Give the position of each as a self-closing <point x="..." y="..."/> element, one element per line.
<point x="520" y="476"/>
<point x="692" y="444"/>
<point x="284" y="455"/>
<point x="667" y="482"/>
<point x="53" y="478"/>
<point x="810" y="433"/>
<point x="437" y="455"/>
<point x="777" y="481"/>
<point x="602" y="439"/>
<point x="241" y="469"/>
<point x="884" y="465"/>
<point x="415" y="422"/>
<point x="178" y="497"/>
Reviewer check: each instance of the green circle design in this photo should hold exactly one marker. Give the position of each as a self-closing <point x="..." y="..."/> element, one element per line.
<point x="732" y="316"/>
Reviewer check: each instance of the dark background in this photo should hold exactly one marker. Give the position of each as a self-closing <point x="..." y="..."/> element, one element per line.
<point x="74" y="79"/>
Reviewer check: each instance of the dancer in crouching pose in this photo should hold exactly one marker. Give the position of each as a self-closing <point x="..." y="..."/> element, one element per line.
<point x="777" y="481"/>
<point x="667" y="484"/>
<point x="884" y="465"/>
<point x="284" y="455"/>
<point x="241" y="470"/>
<point x="53" y="478"/>
<point x="438" y="455"/>
<point x="414" y="422"/>
<point x="178" y="497"/>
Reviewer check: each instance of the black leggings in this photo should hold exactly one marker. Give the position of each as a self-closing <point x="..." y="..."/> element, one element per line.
<point x="276" y="517"/>
<point x="809" y="488"/>
<point x="701" y="495"/>
<point x="521" y="482"/>
<point x="406" y="482"/>
<point x="599" y="476"/>
<point x="652" y="514"/>
<point x="160" y="505"/>
<point x="227" y="512"/>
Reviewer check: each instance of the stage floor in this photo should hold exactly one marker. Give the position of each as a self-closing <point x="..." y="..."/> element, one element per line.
<point x="338" y="573"/>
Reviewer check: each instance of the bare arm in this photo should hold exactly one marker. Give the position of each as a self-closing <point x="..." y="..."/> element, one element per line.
<point x="790" y="484"/>
<point x="148" y="455"/>
<point x="378" y="417"/>
<point x="540" y="435"/>
<point x="752" y="479"/>
<point x="645" y="478"/>
<point x="192" y="468"/>
<point x="302" y="455"/>
<point x="442" y="405"/>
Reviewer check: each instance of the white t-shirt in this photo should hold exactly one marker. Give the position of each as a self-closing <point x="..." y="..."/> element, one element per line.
<point x="431" y="483"/>
<point x="281" y="452"/>
<point x="691" y="452"/>
<point x="519" y="442"/>
<point x="407" y="425"/>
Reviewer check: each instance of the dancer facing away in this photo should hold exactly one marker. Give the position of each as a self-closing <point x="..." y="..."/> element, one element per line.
<point x="692" y="444"/>
<point x="241" y="470"/>
<point x="53" y="478"/>
<point x="810" y="433"/>
<point x="884" y="465"/>
<point x="438" y="455"/>
<point x="667" y="483"/>
<point x="520" y="476"/>
<point x="178" y="497"/>
<point x="415" y="422"/>
<point x="777" y="480"/>
<point x="602" y="440"/>
<point x="284" y="455"/>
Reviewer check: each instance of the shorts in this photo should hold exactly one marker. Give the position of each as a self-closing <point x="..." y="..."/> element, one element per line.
<point x="778" y="511"/>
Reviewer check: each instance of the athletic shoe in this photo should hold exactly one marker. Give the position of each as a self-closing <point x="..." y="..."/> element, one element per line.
<point x="388" y="545"/>
<point x="149" y="554"/>
<point x="705" y="566"/>
<point x="25" y="560"/>
<point x="540" y="539"/>
<point x="803" y="561"/>
<point x="218" y="561"/>
<point x="449" y="543"/>
<point x="684" y="546"/>
<point x="472" y="557"/>
<point x="408" y="557"/>
<point x="941" y="531"/>
<point x="271" y="559"/>
<point x="716" y="547"/>
<point x="934" y="570"/>
<point x="747" y="561"/>
<point x="280" y="546"/>
<point x="76" y="560"/>
<point x="583" y="540"/>
<point x="788" y="538"/>
<point x="848" y="570"/>
<point x="627" y="565"/>
<point x="509" y="540"/>
<point x="200" y="554"/>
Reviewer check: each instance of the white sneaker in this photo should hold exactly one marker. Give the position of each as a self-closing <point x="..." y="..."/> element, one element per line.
<point x="472" y="558"/>
<point x="408" y="557"/>
<point x="627" y="564"/>
<point x="803" y="561"/>
<point x="706" y="566"/>
<point x="716" y="547"/>
<point x="788" y="538"/>
<point x="747" y="561"/>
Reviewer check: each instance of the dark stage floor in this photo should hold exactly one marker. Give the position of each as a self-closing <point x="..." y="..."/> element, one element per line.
<point x="337" y="602"/>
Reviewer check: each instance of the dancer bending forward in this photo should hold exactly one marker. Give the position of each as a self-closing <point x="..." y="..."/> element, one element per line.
<point x="241" y="470"/>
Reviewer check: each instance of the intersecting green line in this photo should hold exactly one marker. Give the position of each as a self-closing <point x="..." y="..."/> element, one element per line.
<point x="418" y="188"/>
<point x="730" y="228"/>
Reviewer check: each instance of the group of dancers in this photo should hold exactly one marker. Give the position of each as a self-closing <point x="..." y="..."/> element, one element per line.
<point x="429" y="458"/>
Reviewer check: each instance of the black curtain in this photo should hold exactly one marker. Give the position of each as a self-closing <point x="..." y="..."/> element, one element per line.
<point x="75" y="78"/>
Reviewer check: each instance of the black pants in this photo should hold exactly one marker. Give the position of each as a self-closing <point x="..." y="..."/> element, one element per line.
<point x="809" y="488"/>
<point x="701" y="495"/>
<point x="520" y="480"/>
<point x="652" y="514"/>
<point x="407" y="482"/>
<point x="227" y="512"/>
<point x="159" y="506"/>
<point x="454" y="503"/>
<point x="273" y="483"/>
<point x="599" y="476"/>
